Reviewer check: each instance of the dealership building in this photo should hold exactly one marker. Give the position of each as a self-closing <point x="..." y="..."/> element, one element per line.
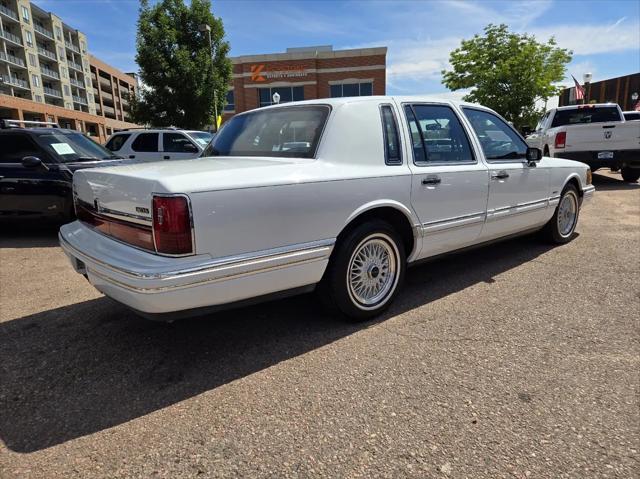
<point x="304" y="74"/>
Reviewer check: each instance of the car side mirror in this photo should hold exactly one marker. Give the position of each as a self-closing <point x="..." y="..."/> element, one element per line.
<point x="33" y="162"/>
<point x="534" y="155"/>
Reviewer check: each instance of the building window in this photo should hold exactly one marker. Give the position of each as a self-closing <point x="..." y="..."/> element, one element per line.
<point x="66" y="90"/>
<point x="58" y="33"/>
<point x="36" y="80"/>
<point x="287" y="94"/>
<point x="29" y="38"/>
<point x="61" y="53"/>
<point x="38" y="98"/>
<point x="32" y="59"/>
<point x="230" y="102"/>
<point x="83" y="47"/>
<point x="63" y="72"/>
<point x="25" y="14"/>
<point x="352" y="89"/>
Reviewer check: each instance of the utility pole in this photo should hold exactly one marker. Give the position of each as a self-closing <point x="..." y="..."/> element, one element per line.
<point x="207" y="28"/>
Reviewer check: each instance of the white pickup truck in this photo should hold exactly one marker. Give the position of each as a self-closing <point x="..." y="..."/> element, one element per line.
<point x="597" y="135"/>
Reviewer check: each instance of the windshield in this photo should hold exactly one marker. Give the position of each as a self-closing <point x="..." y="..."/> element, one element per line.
<point x="285" y="132"/>
<point x="586" y="114"/>
<point x="69" y="147"/>
<point x="202" y="138"/>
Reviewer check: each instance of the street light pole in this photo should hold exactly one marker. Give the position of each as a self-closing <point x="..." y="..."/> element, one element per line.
<point x="207" y="28"/>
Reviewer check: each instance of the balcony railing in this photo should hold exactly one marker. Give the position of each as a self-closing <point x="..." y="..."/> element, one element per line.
<point x="71" y="46"/>
<point x="15" y="81"/>
<point x="46" y="53"/>
<point x="75" y="65"/>
<point x="77" y="83"/>
<point x="11" y="59"/>
<point x="43" y="31"/>
<point x="79" y="99"/>
<point x="52" y="92"/>
<point x="9" y="13"/>
<point x="11" y="37"/>
<point x="49" y="72"/>
<point x="108" y="109"/>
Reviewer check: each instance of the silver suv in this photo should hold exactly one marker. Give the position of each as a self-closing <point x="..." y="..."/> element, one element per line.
<point x="158" y="144"/>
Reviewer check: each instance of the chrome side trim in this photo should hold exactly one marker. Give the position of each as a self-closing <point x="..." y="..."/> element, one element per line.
<point x="120" y="215"/>
<point x="450" y="223"/>
<point x="317" y="249"/>
<point x="588" y="191"/>
<point x="554" y="200"/>
<point x="505" y="211"/>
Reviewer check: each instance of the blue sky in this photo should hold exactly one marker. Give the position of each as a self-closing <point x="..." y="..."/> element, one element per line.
<point x="604" y="35"/>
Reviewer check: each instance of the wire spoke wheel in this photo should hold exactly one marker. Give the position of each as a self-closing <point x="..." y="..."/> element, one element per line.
<point x="372" y="274"/>
<point x="567" y="214"/>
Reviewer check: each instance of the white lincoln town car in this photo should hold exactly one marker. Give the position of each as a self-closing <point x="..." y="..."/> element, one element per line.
<point x="338" y="195"/>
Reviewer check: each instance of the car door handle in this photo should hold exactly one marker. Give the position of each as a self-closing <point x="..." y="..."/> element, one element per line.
<point x="431" y="180"/>
<point x="500" y="175"/>
<point x="132" y="156"/>
<point x="166" y="157"/>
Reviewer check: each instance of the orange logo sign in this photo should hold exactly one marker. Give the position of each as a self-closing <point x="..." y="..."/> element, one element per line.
<point x="256" y="73"/>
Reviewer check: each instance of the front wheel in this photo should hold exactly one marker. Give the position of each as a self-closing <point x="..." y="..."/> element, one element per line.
<point x="365" y="272"/>
<point x="562" y="225"/>
<point x="630" y="175"/>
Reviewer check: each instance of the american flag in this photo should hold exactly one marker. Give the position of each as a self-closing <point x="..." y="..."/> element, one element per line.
<point x="579" y="89"/>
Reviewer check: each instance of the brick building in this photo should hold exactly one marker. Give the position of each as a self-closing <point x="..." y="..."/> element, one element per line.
<point x="625" y="91"/>
<point x="305" y="74"/>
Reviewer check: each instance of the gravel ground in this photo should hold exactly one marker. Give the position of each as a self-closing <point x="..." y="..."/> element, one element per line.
<point x="515" y="360"/>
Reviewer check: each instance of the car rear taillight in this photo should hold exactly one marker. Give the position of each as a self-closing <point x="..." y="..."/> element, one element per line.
<point x="172" y="225"/>
<point x="561" y="139"/>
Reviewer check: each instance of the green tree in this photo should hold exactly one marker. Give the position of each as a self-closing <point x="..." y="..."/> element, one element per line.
<point x="183" y="75"/>
<point x="507" y="72"/>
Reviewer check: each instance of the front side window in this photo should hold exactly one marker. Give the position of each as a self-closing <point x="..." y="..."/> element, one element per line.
<point x="498" y="139"/>
<point x="437" y="135"/>
<point x="145" y="142"/>
<point x="287" y="94"/>
<point x="279" y="132"/>
<point x="14" y="147"/>
<point x="116" y="142"/>
<point x="391" y="137"/>
<point x="177" y="143"/>
<point x="351" y="89"/>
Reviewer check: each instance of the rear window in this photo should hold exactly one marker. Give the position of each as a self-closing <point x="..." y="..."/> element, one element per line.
<point x="586" y="114"/>
<point x="116" y="142"/>
<point x="285" y="132"/>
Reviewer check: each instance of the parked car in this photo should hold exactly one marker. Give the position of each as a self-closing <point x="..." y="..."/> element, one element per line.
<point x="631" y="115"/>
<point x="597" y="135"/>
<point x="337" y="193"/>
<point x="159" y="144"/>
<point x="37" y="162"/>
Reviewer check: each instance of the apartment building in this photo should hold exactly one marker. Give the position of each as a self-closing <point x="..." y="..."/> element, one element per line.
<point x="46" y="73"/>
<point x="303" y="74"/>
<point x="112" y="90"/>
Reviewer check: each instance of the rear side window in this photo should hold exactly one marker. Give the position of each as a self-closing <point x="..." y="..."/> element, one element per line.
<point x="13" y="148"/>
<point x="438" y="135"/>
<point x="145" y="142"/>
<point x="392" y="155"/>
<point x="116" y="142"/>
<point x="586" y="114"/>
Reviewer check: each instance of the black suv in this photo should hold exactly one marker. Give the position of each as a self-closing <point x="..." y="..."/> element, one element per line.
<point x="37" y="165"/>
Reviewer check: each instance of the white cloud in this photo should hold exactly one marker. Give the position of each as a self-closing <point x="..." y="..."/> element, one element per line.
<point x="620" y="36"/>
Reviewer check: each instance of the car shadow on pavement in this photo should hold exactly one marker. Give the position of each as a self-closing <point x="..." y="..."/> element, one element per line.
<point x="607" y="183"/>
<point x="28" y="235"/>
<point x="83" y="368"/>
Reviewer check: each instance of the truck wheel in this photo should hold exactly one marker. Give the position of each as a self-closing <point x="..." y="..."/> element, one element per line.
<point x="560" y="228"/>
<point x="630" y="175"/>
<point x="365" y="272"/>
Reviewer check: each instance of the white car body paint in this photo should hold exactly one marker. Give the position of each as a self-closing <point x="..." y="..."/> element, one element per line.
<point x="264" y="225"/>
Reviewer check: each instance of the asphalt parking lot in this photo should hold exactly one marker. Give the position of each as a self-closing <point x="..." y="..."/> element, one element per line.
<point x="514" y="360"/>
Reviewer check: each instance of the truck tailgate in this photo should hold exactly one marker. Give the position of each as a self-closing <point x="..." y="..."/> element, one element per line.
<point x="603" y="137"/>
